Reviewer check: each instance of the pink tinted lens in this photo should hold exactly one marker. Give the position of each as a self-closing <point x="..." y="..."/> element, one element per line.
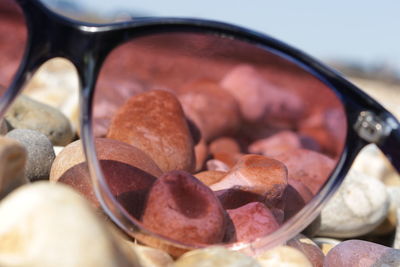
<point x="200" y="130"/>
<point x="13" y="37"/>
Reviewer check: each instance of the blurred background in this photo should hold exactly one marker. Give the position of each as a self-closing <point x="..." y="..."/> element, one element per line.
<point x="359" y="37"/>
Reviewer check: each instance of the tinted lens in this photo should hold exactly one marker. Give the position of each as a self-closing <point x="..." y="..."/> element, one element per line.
<point x="13" y="36"/>
<point x="189" y="123"/>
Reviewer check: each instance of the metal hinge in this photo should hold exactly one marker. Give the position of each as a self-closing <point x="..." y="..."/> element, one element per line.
<point x="372" y="128"/>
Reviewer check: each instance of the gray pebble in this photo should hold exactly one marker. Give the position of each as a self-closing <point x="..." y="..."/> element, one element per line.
<point x="40" y="153"/>
<point x="26" y="113"/>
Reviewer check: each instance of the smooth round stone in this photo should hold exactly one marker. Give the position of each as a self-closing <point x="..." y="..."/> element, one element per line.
<point x="258" y="174"/>
<point x="390" y="222"/>
<point x="309" y="249"/>
<point x="56" y="84"/>
<point x="184" y="209"/>
<point x="234" y="198"/>
<point x="296" y="196"/>
<point x="283" y="256"/>
<point x="128" y="171"/>
<point x="26" y="113"/>
<point x="259" y="99"/>
<point x="215" y="256"/>
<point x="396" y="243"/>
<point x="150" y="257"/>
<point x="47" y="225"/>
<point x="372" y="162"/>
<point x="230" y="159"/>
<point x="217" y="165"/>
<point x="251" y="221"/>
<point x="40" y="153"/>
<point x="201" y="154"/>
<point x="361" y="253"/>
<point x="309" y="167"/>
<point x="13" y="157"/>
<point x="358" y="207"/>
<point x="224" y="145"/>
<point x="214" y="110"/>
<point x="155" y="123"/>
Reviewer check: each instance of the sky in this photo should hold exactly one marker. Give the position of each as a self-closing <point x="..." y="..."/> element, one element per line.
<point x="360" y="31"/>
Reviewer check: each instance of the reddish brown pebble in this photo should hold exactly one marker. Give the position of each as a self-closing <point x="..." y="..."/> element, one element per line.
<point x="210" y="177"/>
<point x="235" y="198"/>
<point x="309" y="248"/>
<point x="328" y="128"/>
<point x="230" y="159"/>
<point x="295" y="197"/>
<point x="252" y="221"/>
<point x="309" y="167"/>
<point x="258" y="174"/>
<point x="214" y="110"/>
<point x="154" y="122"/>
<point x="224" y="145"/>
<point x="182" y="208"/>
<point x="259" y="99"/>
<point x="126" y="168"/>
<point x="201" y="154"/>
<point x="361" y="253"/>
<point x="216" y="165"/>
<point x="279" y="143"/>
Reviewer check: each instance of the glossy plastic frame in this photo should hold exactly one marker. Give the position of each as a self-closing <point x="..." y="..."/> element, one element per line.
<point x="87" y="45"/>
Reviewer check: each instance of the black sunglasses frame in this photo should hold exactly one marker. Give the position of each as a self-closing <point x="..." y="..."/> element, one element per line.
<point x="87" y="46"/>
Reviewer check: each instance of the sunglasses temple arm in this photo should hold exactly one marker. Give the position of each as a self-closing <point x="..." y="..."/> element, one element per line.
<point x="391" y="147"/>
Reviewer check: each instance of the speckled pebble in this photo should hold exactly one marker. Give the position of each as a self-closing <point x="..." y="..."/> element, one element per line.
<point x="40" y="153"/>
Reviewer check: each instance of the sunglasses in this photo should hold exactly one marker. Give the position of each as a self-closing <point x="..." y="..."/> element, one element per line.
<point x="135" y="79"/>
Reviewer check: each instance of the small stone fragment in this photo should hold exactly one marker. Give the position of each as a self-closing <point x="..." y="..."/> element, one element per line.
<point x="12" y="165"/>
<point x="26" y="113"/>
<point x="361" y="253"/>
<point x="40" y="153"/>
<point x="215" y="256"/>
<point x="213" y="109"/>
<point x="210" y="177"/>
<point x="309" y="249"/>
<point x="217" y="165"/>
<point x="283" y="256"/>
<point x="182" y="208"/>
<point x="155" y="123"/>
<point x="358" y="207"/>
<point x="258" y="174"/>
<point x="309" y="167"/>
<point x="50" y="225"/>
<point x="252" y="221"/>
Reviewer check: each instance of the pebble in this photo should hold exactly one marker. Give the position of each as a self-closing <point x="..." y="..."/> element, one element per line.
<point x="311" y="250"/>
<point x="3" y="126"/>
<point x="251" y="221"/>
<point x="224" y="145"/>
<point x="214" y="110"/>
<point x="328" y="127"/>
<point x="283" y="256"/>
<point x="201" y="154"/>
<point x="26" y="113"/>
<point x="217" y="165"/>
<point x="326" y="243"/>
<point x="215" y="256"/>
<point x="358" y="207"/>
<point x="234" y="198"/>
<point x="257" y="174"/>
<point x="46" y="224"/>
<point x="259" y="99"/>
<point x="360" y="253"/>
<point x="396" y="243"/>
<point x="56" y="84"/>
<point x="135" y="168"/>
<point x="182" y="208"/>
<point x="309" y="167"/>
<point x="295" y="197"/>
<point x="162" y="133"/>
<point x="13" y="158"/>
<point x="281" y="142"/>
<point x="210" y="177"/>
<point x="390" y="222"/>
<point x="40" y="153"/>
